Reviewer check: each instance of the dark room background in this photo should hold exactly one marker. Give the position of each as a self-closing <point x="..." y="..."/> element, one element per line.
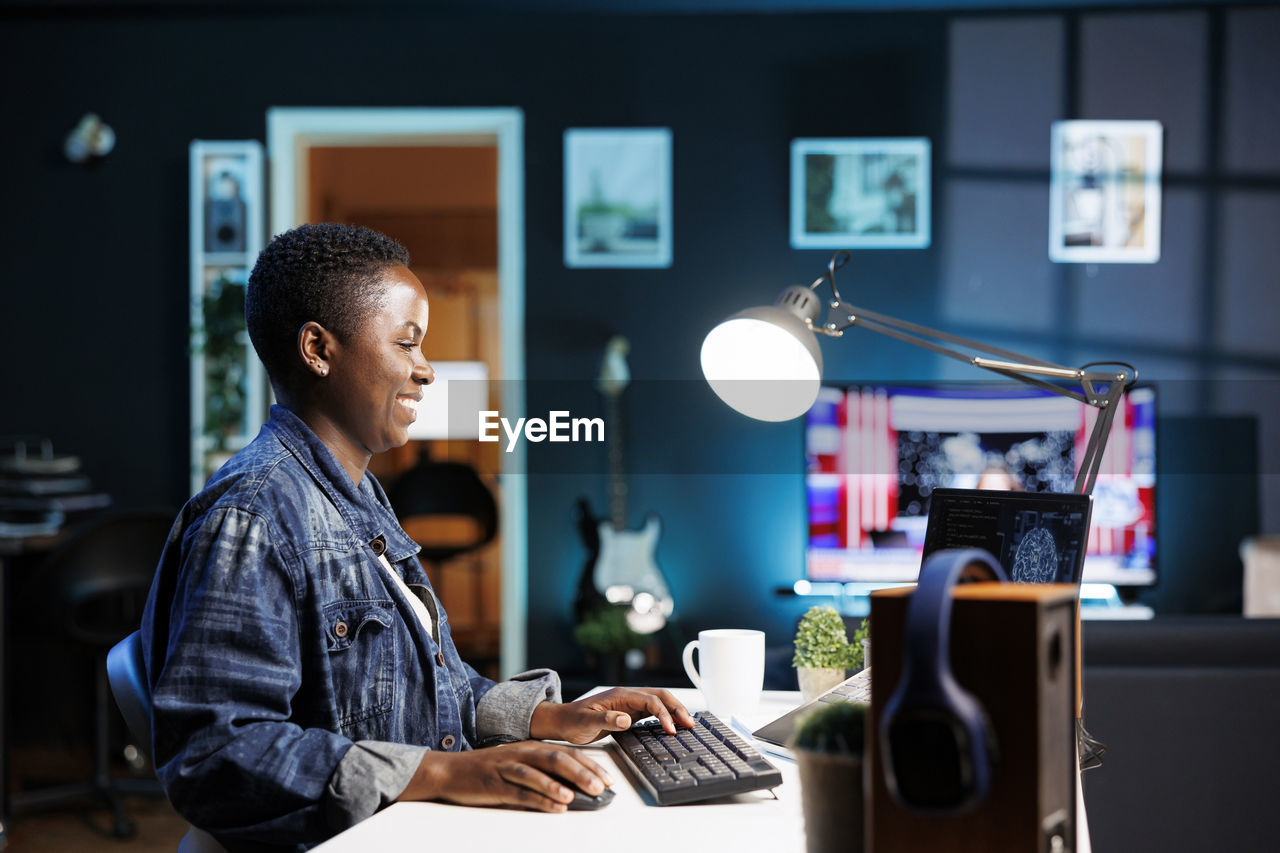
<point x="93" y="306"/>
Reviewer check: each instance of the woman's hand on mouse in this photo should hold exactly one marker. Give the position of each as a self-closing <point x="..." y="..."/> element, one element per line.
<point x="515" y="774"/>
<point x="614" y="710"/>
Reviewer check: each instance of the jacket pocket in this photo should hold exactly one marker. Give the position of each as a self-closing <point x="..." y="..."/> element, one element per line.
<point x="361" y="638"/>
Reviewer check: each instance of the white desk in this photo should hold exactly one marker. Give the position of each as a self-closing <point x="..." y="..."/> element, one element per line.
<point x="754" y="821"/>
<point x="744" y="822"/>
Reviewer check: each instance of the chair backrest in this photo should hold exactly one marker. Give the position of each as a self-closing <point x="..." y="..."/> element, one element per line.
<point x="128" y="676"/>
<point x="103" y="571"/>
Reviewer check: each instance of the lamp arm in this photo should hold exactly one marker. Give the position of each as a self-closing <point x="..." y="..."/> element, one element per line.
<point x="1099" y="389"/>
<point x="1092" y="460"/>
<point x="842" y="315"/>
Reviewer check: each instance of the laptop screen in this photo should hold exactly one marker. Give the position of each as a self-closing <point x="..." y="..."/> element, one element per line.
<point x="1038" y="537"/>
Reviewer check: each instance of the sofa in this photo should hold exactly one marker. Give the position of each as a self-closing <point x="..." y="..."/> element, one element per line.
<point x="1189" y="710"/>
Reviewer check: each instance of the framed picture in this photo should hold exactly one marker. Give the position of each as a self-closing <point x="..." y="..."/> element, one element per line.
<point x="860" y="193"/>
<point x="1104" y="195"/>
<point x="617" y="197"/>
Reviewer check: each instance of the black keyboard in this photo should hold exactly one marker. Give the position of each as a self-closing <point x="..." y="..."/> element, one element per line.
<point x="708" y="760"/>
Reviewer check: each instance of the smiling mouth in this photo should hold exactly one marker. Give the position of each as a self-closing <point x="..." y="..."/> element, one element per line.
<point x="409" y="404"/>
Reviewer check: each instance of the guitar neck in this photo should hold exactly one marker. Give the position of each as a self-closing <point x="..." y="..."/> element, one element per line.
<point x="617" y="483"/>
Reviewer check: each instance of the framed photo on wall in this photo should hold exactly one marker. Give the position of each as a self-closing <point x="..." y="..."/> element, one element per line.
<point x="860" y="193"/>
<point x="617" y="197"/>
<point x="1104" y="193"/>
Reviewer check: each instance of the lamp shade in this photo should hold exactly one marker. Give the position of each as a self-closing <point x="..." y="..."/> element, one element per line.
<point x="764" y="362"/>
<point x="451" y="405"/>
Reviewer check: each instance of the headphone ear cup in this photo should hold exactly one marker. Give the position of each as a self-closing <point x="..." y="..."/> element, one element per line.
<point x="985" y="754"/>
<point x="936" y="739"/>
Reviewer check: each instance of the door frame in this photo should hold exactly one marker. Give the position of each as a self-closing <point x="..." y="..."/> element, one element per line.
<point x="293" y="131"/>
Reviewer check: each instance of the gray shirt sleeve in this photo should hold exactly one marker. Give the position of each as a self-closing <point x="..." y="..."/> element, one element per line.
<point x="504" y="712"/>
<point x="367" y="779"/>
<point x="372" y="774"/>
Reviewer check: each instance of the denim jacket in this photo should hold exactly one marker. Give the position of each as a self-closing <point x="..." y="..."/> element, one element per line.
<point x="275" y="642"/>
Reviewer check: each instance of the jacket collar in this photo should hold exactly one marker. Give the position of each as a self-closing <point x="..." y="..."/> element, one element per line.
<point x="365" y="507"/>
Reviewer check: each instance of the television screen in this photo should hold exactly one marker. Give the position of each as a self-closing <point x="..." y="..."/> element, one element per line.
<point x="875" y="453"/>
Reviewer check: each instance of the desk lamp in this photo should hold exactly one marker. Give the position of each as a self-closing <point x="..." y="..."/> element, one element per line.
<point x="765" y="363"/>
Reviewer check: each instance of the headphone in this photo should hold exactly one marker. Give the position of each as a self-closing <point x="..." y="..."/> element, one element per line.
<point x="935" y="738"/>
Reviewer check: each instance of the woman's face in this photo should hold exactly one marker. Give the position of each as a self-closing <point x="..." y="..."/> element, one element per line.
<point x="377" y="374"/>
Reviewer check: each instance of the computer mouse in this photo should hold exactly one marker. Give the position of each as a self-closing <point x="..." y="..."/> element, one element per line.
<point x="582" y="801"/>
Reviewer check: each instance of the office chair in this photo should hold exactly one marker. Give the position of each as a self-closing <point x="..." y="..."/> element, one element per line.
<point x="449" y="511"/>
<point x="99" y="581"/>
<point x="450" y="507"/>
<point x="127" y="672"/>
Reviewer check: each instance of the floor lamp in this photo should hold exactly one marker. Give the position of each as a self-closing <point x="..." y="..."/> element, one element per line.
<point x="765" y="363"/>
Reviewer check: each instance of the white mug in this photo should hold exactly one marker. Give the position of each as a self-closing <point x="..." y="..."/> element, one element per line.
<point x="730" y="670"/>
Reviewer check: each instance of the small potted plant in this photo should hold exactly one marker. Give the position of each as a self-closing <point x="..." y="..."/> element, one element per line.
<point x="829" y="745"/>
<point x="823" y="651"/>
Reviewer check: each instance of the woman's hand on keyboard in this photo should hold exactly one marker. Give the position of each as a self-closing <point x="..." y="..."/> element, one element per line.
<point x="614" y="710"/>
<point x="515" y="774"/>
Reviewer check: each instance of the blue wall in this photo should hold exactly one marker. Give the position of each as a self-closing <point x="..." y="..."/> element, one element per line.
<point x="92" y="314"/>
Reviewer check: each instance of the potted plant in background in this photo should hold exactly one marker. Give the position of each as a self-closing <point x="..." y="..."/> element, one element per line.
<point x="225" y="373"/>
<point x="607" y="639"/>
<point x="823" y="651"/>
<point x="829" y="745"/>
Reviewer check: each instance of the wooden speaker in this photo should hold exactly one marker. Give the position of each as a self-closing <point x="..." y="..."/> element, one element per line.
<point x="1013" y="647"/>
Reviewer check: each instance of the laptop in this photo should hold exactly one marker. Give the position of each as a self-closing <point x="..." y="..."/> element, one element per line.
<point x="777" y="735"/>
<point x="1037" y="537"/>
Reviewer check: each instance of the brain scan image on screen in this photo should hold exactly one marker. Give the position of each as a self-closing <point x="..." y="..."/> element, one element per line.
<point x="1036" y="560"/>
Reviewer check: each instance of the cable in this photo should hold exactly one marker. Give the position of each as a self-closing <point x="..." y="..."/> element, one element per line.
<point x="1089" y="750"/>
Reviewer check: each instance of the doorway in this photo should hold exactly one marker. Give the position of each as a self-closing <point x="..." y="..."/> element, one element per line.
<point x="447" y="184"/>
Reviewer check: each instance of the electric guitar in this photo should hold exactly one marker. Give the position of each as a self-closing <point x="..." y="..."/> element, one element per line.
<point x="621" y="568"/>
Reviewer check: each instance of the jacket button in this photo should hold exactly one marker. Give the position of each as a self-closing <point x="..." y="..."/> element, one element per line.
<point x="378" y="546"/>
<point x="340" y="629"/>
<point x="448" y="741"/>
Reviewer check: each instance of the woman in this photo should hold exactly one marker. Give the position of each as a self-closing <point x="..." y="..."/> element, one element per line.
<point x="302" y="672"/>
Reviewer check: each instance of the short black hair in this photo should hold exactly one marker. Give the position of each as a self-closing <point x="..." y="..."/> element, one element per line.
<point x="323" y="272"/>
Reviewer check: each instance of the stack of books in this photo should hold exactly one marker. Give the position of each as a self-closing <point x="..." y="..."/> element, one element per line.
<point x="38" y="488"/>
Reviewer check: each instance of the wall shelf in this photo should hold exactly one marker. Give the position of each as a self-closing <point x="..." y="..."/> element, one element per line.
<point x="228" y="384"/>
